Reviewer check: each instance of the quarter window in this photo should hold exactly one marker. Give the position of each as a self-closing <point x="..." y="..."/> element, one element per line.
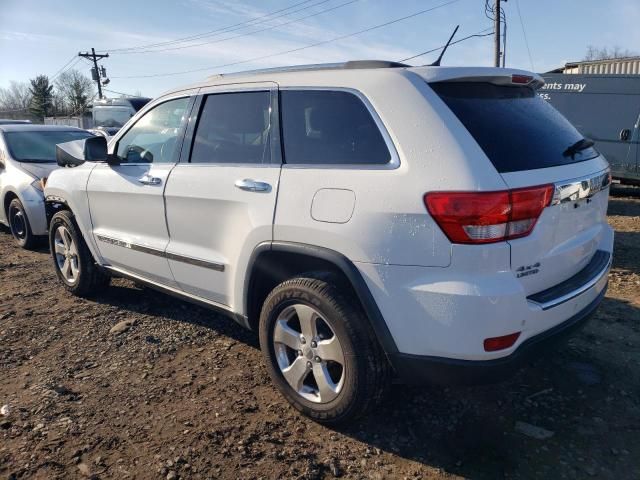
<point x="330" y="127"/>
<point x="234" y="128"/>
<point x="154" y="137"/>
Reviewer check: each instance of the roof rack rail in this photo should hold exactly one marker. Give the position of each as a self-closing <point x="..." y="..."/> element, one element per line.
<point x="350" y="65"/>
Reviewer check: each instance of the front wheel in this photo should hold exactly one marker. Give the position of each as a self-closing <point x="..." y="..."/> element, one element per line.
<point x="320" y="350"/>
<point x="19" y="225"/>
<point x="72" y="259"/>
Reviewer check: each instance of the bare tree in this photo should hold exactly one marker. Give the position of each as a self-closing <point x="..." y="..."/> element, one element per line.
<point x="15" y="98"/>
<point x="605" y="53"/>
<point x="75" y="91"/>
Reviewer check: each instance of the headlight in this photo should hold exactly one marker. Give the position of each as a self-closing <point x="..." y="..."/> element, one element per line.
<point x="39" y="184"/>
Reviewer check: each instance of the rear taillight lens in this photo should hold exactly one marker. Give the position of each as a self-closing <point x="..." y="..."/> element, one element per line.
<point x="487" y="217"/>
<point x="521" y="79"/>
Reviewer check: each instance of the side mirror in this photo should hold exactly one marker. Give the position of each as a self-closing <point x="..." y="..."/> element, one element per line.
<point x="72" y="154"/>
<point x="625" y="133"/>
<point x="95" y="149"/>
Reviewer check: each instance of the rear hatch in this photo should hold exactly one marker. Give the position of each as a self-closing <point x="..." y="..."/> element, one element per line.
<point x="530" y="144"/>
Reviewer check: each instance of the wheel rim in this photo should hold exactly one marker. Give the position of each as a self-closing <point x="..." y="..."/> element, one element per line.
<point x="309" y="353"/>
<point x="66" y="254"/>
<point x="18" y="223"/>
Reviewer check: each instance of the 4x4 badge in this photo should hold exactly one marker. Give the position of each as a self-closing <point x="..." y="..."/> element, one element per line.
<point x="527" y="270"/>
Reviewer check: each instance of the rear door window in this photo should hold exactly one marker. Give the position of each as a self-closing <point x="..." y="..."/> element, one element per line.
<point x="325" y="127"/>
<point x="234" y="128"/>
<point x="515" y="128"/>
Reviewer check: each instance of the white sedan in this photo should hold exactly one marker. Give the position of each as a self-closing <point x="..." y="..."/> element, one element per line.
<point x="27" y="157"/>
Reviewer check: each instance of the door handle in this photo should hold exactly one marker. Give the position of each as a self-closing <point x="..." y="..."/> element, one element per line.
<point x="250" y="185"/>
<point x="149" y="180"/>
<point x="625" y="133"/>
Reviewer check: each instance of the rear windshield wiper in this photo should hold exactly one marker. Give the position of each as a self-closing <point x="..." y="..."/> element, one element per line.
<point x="580" y="145"/>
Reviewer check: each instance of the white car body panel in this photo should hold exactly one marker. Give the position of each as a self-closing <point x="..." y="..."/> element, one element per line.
<point x="135" y="216"/>
<point x="211" y="220"/>
<point x="437" y="299"/>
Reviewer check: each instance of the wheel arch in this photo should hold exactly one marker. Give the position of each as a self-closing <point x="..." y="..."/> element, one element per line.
<point x="8" y="197"/>
<point x="273" y="262"/>
<point x="56" y="203"/>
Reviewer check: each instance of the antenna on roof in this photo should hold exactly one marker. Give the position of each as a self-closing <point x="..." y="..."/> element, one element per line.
<point x="437" y="62"/>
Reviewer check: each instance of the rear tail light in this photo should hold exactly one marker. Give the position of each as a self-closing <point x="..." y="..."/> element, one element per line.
<point x="521" y="79"/>
<point x="500" y="343"/>
<point x="487" y="217"/>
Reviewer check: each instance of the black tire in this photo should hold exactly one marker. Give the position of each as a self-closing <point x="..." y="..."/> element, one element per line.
<point x="366" y="369"/>
<point x="90" y="279"/>
<point x="19" y="225"/>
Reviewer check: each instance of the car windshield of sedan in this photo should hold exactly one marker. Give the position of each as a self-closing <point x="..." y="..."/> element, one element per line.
<point x="39" y="146"/>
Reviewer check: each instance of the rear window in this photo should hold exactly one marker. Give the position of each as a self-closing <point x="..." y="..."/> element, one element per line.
<point x="323" y="127"/>
<point x="515" y="128"/>
<point x="39" y="146"/>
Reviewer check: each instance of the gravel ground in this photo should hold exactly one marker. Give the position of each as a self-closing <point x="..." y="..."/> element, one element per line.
<point x="179" y="392"/>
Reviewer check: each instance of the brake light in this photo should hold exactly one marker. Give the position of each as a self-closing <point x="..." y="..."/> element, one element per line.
<point x="487" y="217"/>
<point x="500" y="343"/>
<point x="521" y="79"/>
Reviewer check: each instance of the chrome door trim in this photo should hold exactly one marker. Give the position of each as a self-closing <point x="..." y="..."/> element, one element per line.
<point x="580" y="188"/>
<point x="162" y="253"/>
<point x="195" y="261"/>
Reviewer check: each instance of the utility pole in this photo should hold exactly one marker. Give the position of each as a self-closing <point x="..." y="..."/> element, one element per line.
<point x="95" y="57"/>
<point x="496" y="35"/>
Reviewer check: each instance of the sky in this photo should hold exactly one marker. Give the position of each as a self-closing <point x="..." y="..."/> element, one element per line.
<point x="41" y="37"/>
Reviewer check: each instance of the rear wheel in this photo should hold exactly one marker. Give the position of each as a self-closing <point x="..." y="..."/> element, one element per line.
<point x="19" y="225"/>
<point x="72" y="259"/>
<point x="320" y="350"/>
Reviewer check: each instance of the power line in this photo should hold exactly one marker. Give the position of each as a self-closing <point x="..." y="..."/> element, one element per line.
<point x="119" y="93"/>
<point x="524" y="33"/>
<point x="74" y="57"/>
<point x="272" y="27"/>
<point x="293" y="50"/>
<point x="212" y="32"/>
<point x="478" y="34"/>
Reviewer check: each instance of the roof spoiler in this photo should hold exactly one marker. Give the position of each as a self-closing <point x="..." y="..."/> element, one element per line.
<point x="497" y="76"/>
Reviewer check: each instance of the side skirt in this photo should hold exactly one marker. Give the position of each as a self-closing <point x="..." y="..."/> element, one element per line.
<point x="203" y="302"/>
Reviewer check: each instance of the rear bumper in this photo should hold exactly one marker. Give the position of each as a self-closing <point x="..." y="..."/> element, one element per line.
<point x="426" y="369"/>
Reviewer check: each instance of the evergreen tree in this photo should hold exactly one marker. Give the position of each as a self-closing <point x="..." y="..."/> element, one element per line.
<point x="41" y="96"/>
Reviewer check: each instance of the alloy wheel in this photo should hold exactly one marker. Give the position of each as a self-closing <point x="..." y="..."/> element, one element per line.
<point x="66" y="254"/>
<point x="309" y="353"/>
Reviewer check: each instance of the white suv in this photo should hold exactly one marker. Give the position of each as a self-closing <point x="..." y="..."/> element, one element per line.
<point x="369" y="219"/>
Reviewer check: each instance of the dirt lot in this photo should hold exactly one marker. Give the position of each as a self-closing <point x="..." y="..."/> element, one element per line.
<point x="183" y="394"/>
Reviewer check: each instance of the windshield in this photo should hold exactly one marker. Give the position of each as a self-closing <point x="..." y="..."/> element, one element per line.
<point x="39" y="146"/>
<point x="515" y="128"/>
<point x="111" y="116"/>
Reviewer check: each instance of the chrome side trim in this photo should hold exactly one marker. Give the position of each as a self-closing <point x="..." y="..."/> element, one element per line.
<point x="195" y="261"/>
<point x="579" y="291"/>
<point x="161" y="253"/>
<point x="580" y="188"/>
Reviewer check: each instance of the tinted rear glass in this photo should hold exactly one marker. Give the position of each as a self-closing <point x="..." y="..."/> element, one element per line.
<point x="39" y="146"/>
<point x="234" y="128"/>
<point x="515" y="128"/>
<point x="322" y="127"/>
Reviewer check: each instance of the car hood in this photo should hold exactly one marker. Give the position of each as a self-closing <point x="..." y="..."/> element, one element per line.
<point x="38" y="170"/>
